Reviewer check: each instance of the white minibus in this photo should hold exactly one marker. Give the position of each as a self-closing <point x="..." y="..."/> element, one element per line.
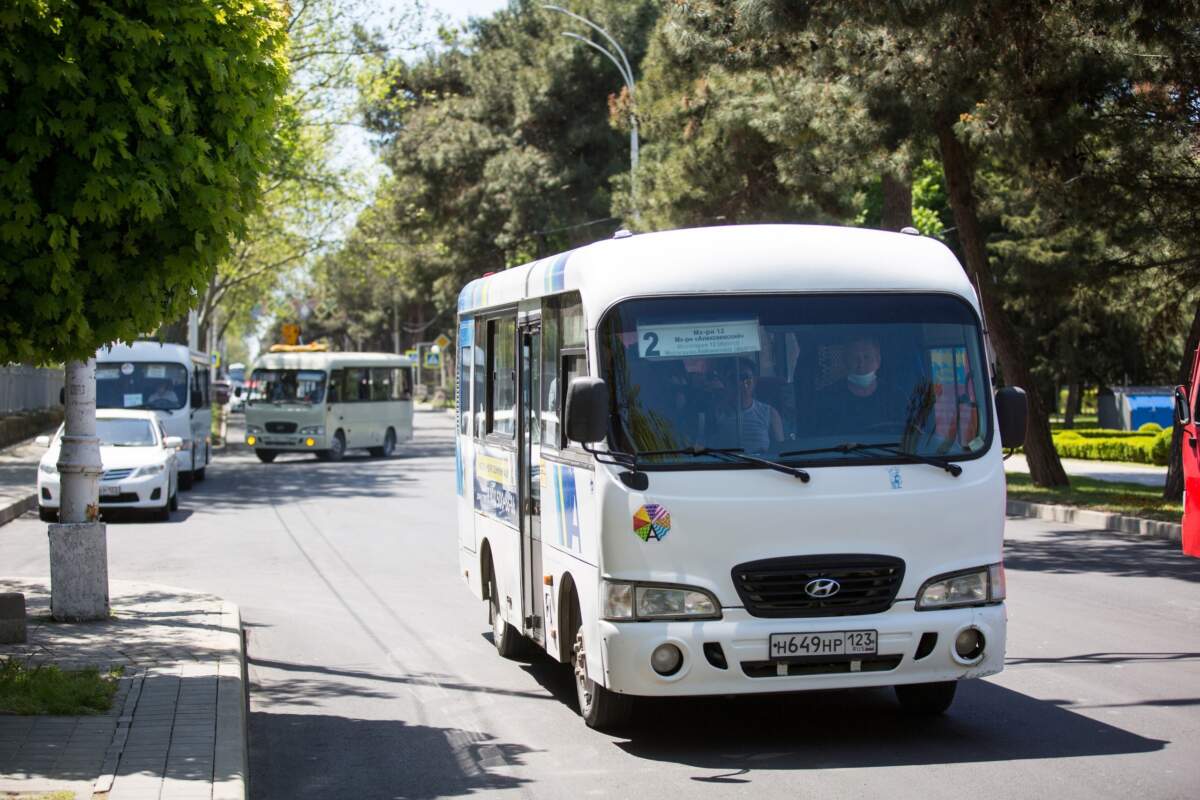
<point x="326" y="403"/>
<point x="730" y="460"/>
<point x="169" y="379"/>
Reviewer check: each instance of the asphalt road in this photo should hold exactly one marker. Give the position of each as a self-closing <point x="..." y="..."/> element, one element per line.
<point x="373" y="676"/>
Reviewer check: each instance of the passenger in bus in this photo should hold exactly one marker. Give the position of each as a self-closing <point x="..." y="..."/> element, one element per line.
<point x="743" y="420"/>
<point x="862" y="402"/>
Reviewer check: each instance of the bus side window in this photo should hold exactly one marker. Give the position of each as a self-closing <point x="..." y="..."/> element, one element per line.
<point x="381" y="383"/>
<point x="479" y="381"/>
<point x="464" y="391"/>
<point x="402" y="383"/>
<point x="502" y="366"/>
<point x="357" y="385"/>
<point x="335" y="386"/>
<point x="563" y="358"/>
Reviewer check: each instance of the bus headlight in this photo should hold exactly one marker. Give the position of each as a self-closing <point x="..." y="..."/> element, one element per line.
<point x="48" y="469"/>
<point x="643" y="601"/>
<point x="313" y="430"/>
<point x="973" y="587"/>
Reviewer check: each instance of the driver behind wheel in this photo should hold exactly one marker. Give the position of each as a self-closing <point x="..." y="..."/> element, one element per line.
<point x="862" y="400"/>
<point x="163" y="395"/>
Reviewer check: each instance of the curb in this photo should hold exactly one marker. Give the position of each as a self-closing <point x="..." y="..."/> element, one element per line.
<point x="17" y="508"/>
<point x="231" y="758"/>
<point x="1103" y="520"/>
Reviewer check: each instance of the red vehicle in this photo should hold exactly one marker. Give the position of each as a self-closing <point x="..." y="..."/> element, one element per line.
<point x="1187" y="408"/>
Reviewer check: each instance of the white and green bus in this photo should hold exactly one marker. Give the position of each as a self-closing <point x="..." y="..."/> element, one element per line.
<point x="328" y="403"/>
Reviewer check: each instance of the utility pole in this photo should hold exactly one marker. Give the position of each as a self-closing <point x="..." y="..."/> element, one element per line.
<point x="626" y="75"/>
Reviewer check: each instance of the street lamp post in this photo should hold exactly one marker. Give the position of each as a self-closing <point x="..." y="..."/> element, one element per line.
<point x="627" y="75"/>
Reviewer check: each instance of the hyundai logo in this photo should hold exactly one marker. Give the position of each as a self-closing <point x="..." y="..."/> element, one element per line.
<point x="822" y="588"/>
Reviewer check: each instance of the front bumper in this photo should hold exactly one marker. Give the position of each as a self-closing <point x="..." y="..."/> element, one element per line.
<point x="743" y="641"/>
<point x="287" y="441"/>
<point x="132" y="492"/>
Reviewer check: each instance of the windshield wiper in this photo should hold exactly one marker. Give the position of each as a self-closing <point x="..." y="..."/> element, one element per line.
<point x="887" y="447"/>
<point x="728" y="453"/>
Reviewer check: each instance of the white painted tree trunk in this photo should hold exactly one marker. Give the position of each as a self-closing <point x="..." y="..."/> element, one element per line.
<point x="78" y="551"/>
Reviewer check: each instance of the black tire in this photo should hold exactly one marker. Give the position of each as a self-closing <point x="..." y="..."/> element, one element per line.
<point x="47" y="514"/>
<point x="265" y="456"/>
<point x="600" y="708"/>
<point x="926" y="699"/>
<point x="389" y="445"/>
<point x="185" y="480"/>
<point x="337" y="449"/>
<point x="174" y="501"/>
<point x="199" y="474"/>
<point x="162" y="514"/>
<point x="508" y="640"/>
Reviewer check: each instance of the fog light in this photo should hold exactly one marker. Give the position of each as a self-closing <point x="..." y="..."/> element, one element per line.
<point x="666" y="659"/>
<point x="251" y="439"/>
<point x="969" y="644"/>
<point x="310" y="441"/>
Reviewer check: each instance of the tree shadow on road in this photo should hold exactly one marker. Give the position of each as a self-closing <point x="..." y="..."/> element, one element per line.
<point x="1074" y="551"/>
<point x="298" y="756"/>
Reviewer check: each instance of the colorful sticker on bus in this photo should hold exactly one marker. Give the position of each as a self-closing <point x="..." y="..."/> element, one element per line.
<point x="496" y="486"/>
<point x="562" y="511"/>
<point x="652" y="521"/>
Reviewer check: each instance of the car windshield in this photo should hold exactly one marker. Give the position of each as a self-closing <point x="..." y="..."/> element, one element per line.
<point x="287" y="386"/>
<point x="125" y="432"/>
<point x="796" y="378"/>
<point x="141" y="385"/>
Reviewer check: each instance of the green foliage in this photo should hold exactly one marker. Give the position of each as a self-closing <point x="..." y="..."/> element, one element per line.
<point x="132" y="137"/>
<point x="50" y="690"/>
<point x="1134" y="499"/>
<point x="1103" y="445"/>
<point x="1149" y="427"/>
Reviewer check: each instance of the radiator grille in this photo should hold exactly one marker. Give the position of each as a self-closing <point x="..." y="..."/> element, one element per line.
<point x="776" y="587"/>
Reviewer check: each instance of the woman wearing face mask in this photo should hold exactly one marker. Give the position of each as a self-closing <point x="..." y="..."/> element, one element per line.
<point x="861" y="403"/>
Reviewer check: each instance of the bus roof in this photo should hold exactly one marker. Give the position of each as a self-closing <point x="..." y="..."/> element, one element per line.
<point x="730" y="259"/>
<point x="150" y="351"/>
<point x="330" y="360"/>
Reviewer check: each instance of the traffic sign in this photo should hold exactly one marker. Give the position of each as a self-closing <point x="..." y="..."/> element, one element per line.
<point x="411" y="354"/>
<point x="291" y="333"/>
<point x="432" y="360"/>
<point x="442" y="341"/>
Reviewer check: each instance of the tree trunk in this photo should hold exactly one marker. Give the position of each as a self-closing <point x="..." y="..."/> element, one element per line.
<point x="897" y="202"/>
<point x="1072" y="408"/>
<point x="1174" y="488"/>
<point x="1044" y="465"/>
<point x="78" y="553"/>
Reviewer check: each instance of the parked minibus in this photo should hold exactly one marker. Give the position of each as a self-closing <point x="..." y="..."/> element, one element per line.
<point x="169" y="379"/>
<point x="736" y="460"/>
<point x="327" y="403"/>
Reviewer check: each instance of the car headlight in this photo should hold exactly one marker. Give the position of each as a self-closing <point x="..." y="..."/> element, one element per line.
<point x="149" y="469"/>
<point x="644" y="601"/>
<point x="253" y="429"/>
<point x="48" y="469"/>
<point x="313" y="430"/>
<point x="974" y="587"/>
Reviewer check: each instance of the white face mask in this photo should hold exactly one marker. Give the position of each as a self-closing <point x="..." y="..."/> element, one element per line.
<point x="862" y="380"/>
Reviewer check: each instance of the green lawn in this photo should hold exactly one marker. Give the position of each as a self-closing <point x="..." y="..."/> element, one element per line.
<point x="1121" y="498"/>
<point x="50" y="690"/>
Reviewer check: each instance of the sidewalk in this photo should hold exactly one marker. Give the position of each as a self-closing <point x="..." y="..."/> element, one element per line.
<point x="177" y="728"/>
<point x="1117" y="471"/>
<point x="18" y="479"/>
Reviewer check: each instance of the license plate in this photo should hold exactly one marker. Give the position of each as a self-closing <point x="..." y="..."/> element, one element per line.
<point x="110" y="491"/>
<point x="824" y="645"/>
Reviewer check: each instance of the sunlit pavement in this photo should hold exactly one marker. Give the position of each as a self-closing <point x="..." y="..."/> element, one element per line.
<point x="373" y="676"/>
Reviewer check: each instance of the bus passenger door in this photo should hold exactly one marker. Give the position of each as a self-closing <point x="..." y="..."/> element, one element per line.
<point x="530" y="468"/>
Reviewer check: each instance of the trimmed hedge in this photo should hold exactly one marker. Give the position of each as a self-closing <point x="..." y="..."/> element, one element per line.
<point x="1140" y="447"/>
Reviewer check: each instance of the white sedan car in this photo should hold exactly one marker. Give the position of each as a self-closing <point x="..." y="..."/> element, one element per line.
<point x="140" y="468"/>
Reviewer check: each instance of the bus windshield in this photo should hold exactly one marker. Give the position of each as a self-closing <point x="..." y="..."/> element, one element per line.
<point x="141" y="385"/>
<point x="287" y="386"/>
<point x="797" y="378"/>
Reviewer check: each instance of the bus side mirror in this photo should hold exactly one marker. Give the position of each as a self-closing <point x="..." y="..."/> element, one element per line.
<point x="62" y="396"/>
<point x="587" y="410"/>
<point x="197" y="398"/>
<point x="173" y="442"/>
<point x="1183" y="413"/>
<point x="1012" y="410"/>
<point x="237" y="391"/>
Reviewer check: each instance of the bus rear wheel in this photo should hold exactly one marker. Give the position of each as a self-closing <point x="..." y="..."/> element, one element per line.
<point x="600" y="708"/>
<point x="265" y="456"/>
<point x="389" y="445"/>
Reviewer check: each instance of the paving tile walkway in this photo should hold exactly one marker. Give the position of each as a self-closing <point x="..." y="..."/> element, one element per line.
<point x="177" y="727"/>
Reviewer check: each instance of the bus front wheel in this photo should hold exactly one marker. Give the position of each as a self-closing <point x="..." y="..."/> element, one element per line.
<point x="337" y="448"/>
<point x="265" y="456"/>
<point x="504" y="636"/>
<point x="600" y="708"/>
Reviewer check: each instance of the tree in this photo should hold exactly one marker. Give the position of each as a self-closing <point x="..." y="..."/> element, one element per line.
<point x="132" y="137"/>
